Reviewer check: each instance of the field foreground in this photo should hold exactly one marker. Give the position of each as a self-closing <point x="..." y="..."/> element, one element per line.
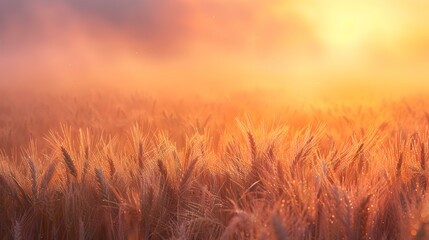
<point x="116" y="167"/>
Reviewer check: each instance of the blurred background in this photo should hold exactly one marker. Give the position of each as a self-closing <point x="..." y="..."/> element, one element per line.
<point x="306" y="49"/>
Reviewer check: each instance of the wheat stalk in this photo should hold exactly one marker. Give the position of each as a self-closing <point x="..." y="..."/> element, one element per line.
<point x="21" y="189"/>
<point x="399" y="165"/>
<point x="33" y="172"/>
<point x="362" y="217"/>
<point x="252" y="145"/>
<point x="184" y="183"/>
<point x="69" y="162"/>
<point x="102" y="184"/>
<point x="140" y="156"/>
<point x="112" y="169"/>
<point x="85" y="164"/>
<point x="9" y="189"/>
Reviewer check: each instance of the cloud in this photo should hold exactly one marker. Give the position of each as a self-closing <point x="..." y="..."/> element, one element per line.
<point x="156" y="26"/>
<point x="177" y="41"/>
<point x="252" y="27"/>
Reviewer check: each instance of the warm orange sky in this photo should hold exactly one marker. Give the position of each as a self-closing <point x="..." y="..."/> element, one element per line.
<point x="313" y="47"/>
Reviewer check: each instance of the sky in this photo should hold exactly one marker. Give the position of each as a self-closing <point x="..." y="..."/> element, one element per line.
<point x="310" y="47"/>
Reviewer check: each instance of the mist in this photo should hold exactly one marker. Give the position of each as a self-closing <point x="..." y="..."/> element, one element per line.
<point x="216" y="47"/>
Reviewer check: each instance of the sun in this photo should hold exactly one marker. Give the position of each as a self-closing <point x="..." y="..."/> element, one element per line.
<point x="347" y="29"/>
<point x="350" y="27"/>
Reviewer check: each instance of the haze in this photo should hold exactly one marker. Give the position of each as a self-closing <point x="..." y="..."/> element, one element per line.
<point x="305" y="48"/>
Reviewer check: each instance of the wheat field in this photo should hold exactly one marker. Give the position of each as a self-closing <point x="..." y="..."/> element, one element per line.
<point x="114" y="166"/>
<point x="214" y="119"/>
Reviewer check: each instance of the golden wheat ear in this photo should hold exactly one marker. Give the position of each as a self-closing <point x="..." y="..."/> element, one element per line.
<point x="102" y="184"/>
<point x="69" y="162"/>
<point x="47" y="177"/>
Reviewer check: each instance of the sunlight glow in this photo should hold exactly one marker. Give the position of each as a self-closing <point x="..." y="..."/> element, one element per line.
<point x="349" y="28"/>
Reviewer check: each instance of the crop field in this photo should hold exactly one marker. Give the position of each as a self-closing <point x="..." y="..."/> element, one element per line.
<point x="214" y="119"/>
<point x="114" y="166"/>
